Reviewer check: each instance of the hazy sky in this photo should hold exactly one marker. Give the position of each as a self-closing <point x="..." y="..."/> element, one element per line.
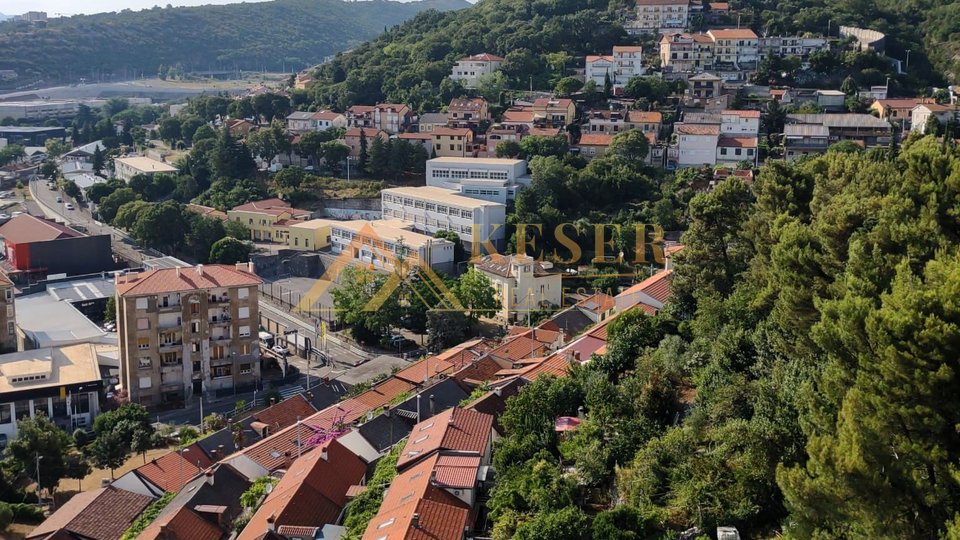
<point x="73" y="7"/>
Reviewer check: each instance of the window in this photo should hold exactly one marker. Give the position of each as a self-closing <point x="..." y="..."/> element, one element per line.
<point x="221" y="371"/>
<point x="243" y="293"/>
<point x="22" y="409"/>
<point x="145" y="363"/>
<point x="194" y="308"/>
<point x="170" y="359"/>
<point x="59" y="407"/>
<point x="143" y="343"/>
<point x="5" y="417"/>
<point x="246" y="369"/>
<point x="217" y="352"/>
<point x="145" y="382"/>
<point x="195" y="347"/>
<point x="11" y="328"/>
<point x="141" y="303"/>
<point x="9" y="310"/>
<point x="244" y="331"/>
<point x="81" y="403"/>
<point x="195" y="327"/>
<point x="244" y="313"/>
<point x="8" y="294"/>
<point x="143" y="323"/>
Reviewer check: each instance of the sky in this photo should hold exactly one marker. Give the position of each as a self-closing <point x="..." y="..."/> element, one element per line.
<point x="73" y="7"/>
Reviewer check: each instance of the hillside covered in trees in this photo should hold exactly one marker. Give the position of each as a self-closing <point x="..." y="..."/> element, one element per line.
<point x="259" y="35"/>
<point x="544" y="40"/>
<point x="802" y="381"/>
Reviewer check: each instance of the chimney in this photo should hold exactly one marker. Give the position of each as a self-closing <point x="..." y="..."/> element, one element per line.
<point x="220" y="451"/>
<point x="432" y="405"/>
<point x="271" y="523"/>
<point x="209" y="476"/>
<point x="286" y="460"/>
<point x="576" y="356"/>
<point x="250" y="267"/>
<point x="415" y="521"/>
<point x="178" y="271"/>
<point x="200" y="269"/>
<point x="498" y="391"/>
<point x="324" y="456"/>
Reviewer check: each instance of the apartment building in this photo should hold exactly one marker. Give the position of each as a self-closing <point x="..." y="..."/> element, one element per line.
<point x="800" y="46"/>
<point x="8" y="315"/>
<point x="464" y="112"/>
<point x="360" y="116"/>
<point x="696" y="144"/>
<point x="921" y="114"/>
<point x="624" y="63"/>
<point x="490" y="179"/>
<point x="523" y="285"/>
<point x="187" y="331"/>
<point x="452" y="142"/>
<point x="268" y="220"/>
<point x="555" y="112"/>
<point x="864" y="129"/>
<point x="392" y="117"/>
<point x="653" y="15"/>
<point x="705" y="86"/>
<point x="430" y="209"/>
<point x="304" y="121"/>
<point x="684" y="52"/>
<point x="735" y="48"/>
<point x="352" y="138"/>
<point x="470" y="69"/>
<point x="128" y="167"/>
<point x="616" y="121"/>
<point x="740" y="123"/>
<point x="381" y="243"/>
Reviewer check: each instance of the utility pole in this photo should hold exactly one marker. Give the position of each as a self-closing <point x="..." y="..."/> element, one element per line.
<point x="908" y="61"/>
<point x="39" y="457"/>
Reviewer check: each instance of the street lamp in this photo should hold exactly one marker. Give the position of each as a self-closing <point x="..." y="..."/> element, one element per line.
<point x="39" y="457"/>
<point x="182" y="479"/>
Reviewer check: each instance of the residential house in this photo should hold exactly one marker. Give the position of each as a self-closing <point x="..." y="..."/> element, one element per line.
<point x="100" y="514"/>
<point x="430" y="209"/>
<point x="268" y="220"/>
<point x="719" y="12"/>
<point x="799" y="46"/>
<point x="740" y="123"/>
<point x="555" y="112"/>
<point x="921" y="114"/>
<point x="128" y="167"/>
<point x="302" y="121"/>
<point x="736" y="48"/>
<point x="184" y="331"/>
<point x="424" y="140"/>
<point x="521" y="116"/>
<point x="522" y="284"/>
<point x="654" y="15"/>
<point x="61" y="383"/>
<point x="352" y="138"/>
<point x="168" y="473"/>
<point x="704" y="86"/>
<point x="593" y="145"/>
<point x="311" y="493"/>
<point x="428" y="121"/>
<point x="241" y="127"/>
<point x="898" y="111"/>
<point x="800" y="140"/>
<point x="392" y="117"/>
<point x="696" y="144"/>
<point x="650" y="294"/>
<point x="733" y="149"/>
<point x="452" y="142"/>
<point x="625" y="62"/>
<point x="466" y="112"/>
<point x="616" y="121"/>
<point x="302" y="80"/>
<point x="864" y="129"/>
<point x="498" y="133"/>
<point x="470" y="69"/>
<point x="361" y="116"/>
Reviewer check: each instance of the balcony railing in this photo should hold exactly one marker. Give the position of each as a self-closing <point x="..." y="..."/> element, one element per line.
<point x="220" y="319"/>
<point x="219" y="299"/>
<point x="170" y="345"/>
<point x="169" y="307"/>
<point x="170" y="323"/>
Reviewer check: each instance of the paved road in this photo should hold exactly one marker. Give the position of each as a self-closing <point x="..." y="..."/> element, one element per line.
<point x="46" y="199"/>
<point x="337" y="354"/>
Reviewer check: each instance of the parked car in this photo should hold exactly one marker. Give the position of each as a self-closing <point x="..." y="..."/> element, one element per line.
<point x="59" y="199"/>
<point x="280" y="349"/>
<point x="69" y="206"/>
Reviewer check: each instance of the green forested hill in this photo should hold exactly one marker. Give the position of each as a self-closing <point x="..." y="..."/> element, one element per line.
<point x="263" y="35"/>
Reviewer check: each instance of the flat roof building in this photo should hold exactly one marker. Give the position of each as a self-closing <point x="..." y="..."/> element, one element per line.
<point x="491" y="179"/>
<point x="430" y="209"/>
<point x="128" y="167"/>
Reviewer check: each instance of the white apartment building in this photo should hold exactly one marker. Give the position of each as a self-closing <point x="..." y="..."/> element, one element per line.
<point x="468" y="70"/>
<point x="728" y="51"/>
<point x="490" y="179"/>
<point x="128" y="167"/>
<point x="735" y="47"/>
<point x="696" y="144"/>
<point x="303" y="121"/>
<point x="624" y="63"/>
<point x="792" y="46"/>
<point x="654" y="15"/>
<point x="430" y="209"/>
<point x="382" y="242"/>
<point x="740" y="123"/>
<point x="921" y="114"/>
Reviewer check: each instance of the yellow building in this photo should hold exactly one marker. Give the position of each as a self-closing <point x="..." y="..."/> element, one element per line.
<point x="452" y="142"/>
<point x="309" y="235"/>
<point x="268" y="220"/>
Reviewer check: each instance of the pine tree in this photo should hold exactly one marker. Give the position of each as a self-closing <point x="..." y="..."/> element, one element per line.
<point x="98" y="161"/>
<point x="607" y="84"/>
<point x="364" y="157"/>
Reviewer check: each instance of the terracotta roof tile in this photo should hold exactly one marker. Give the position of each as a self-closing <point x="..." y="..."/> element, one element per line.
<point x="697" y="129"/>
<point x="737" y="142"/>
<point x="170" y="471"/>
<point x="423" y="370"/>
<point x="733" y="33"/>
<point x="101" y="514"/>
<point x="518" y="348"/>
<point x="457" y="429"/>
<point x="740" y="113"/>
<point x="482" y="57"/>
<point x="451" y="132"/>
<point x="184" y="524"/>
<point x="164" y="280"/>
<point x="656" y="286"/>
<point x="286" y="413"/>
<point x="596" y="139"/>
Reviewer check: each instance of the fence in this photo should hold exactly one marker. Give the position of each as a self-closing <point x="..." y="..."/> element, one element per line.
<point x="291" y="299"/>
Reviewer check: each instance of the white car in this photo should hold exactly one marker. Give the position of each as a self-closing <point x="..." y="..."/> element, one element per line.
<point x="68" y="206"/>
<point x="280" y="349"/>
<point x="59" y="199"/>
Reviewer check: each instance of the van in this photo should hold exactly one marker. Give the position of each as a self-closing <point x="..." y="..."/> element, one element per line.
<point x="266" y="339"/>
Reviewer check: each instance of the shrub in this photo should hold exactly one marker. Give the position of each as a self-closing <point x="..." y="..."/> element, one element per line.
<point x="80" y="437"/>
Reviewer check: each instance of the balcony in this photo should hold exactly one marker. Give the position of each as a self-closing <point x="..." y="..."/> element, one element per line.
<point x="170" y="345"/>
<point x="219" y="320"/>
<point x="170" y="323"/>
<point x="218" y="299"/>
<point x="219" y="339"/>
<point x="169" y="307"/>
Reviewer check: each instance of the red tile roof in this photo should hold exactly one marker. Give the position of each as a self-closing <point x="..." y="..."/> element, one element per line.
<point x="286" y="413"/>
<point x="482" y="57"/>
<point x="451" y="132"/>
<point x="627" y="48"/>
<point x="596" y="139"/>
<point x="737" y="142"/>
<point x="646" y="117"/>
<point x="591" y="58"/>
<point x="520" y="347"/>
<point x="101" y="514"/>
<point x="741" y="114"/>
<point x="552" y="103"/>
<point x="265" y="204"/>
<point x="656" y="286"/>
<point x="170" y="471"/>
<point x="326" y="115"/>
<point x="367" y="132"/>
<point x="313" y="491"/>
<point x="733" y="33"/>
<point x="183" y="524"/>
<point x="25" y="229"/>
<point x="470" y="104"/>
<point x="597" y="303"/>
<point x="555" y="364"/>
<point x="697" y="129"/>
<point x="482" y="370"/>
<point x="165" y="280"/>
<point x="456" y="429"/>
<point x="456" y="472"/>
<point x="423" y="370"/>
<point x="518" y="116"/>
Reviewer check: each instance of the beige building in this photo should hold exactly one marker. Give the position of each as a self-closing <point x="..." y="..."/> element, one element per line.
<point x="128" y="167"/>
<point x="8" y="316"/>
<point x="556" y="112"/>
<point x="653" y="15"/>
<point x="187" y="331"/>
<point x="523" y="285"/>
<point x="452" y="142"/>
<point x="269" y="220"/>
